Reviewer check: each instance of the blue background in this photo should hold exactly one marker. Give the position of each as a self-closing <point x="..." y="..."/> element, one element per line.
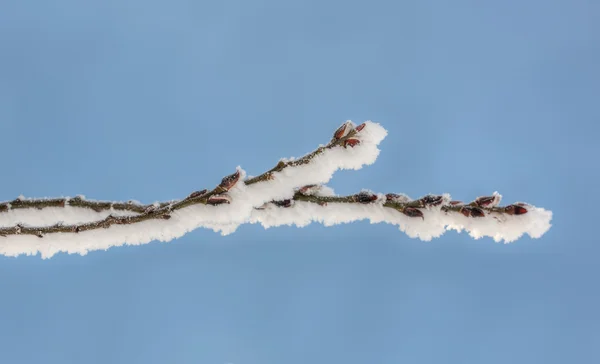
<point x="151" y="100"/>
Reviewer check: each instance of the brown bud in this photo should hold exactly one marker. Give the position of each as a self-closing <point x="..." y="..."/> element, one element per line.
<point x="394" y="197"/>
<point x="515" y="209"/>
<point x="3" y="207"/>
<point x="218" y="199"/>
<point x="229" y="181"/>
<point x="413" y="212"/>
<point x="197" y="193"/>
<point x="351" y="142"/>
<point x="284" y="203"/>
<point x="455" y="203"/>
<point x="361" y="127"/>
<point x="431" y="200"/>
<point x="487" y="201"/>
<point x="365" y="197"/>
<point x="470" y="211"/>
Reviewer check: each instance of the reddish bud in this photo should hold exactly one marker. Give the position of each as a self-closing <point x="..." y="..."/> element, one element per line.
<point x="218" y="199"/>
<point x="361" y="127"/>
<point x="455" y="203"/>
<point x="470" y="211"/>
<point x="413" y="212"/>
<point x="229" y="181"/>
<point x="342" y="131"/>
<point x="515" y="209"/>
<point x="351" y="142"/>
<point x="365" y="197"/>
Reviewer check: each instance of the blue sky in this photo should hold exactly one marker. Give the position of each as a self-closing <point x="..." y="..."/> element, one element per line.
<point x="152" y="100"/>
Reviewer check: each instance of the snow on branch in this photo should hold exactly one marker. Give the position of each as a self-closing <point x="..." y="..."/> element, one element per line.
<point x="291" y="193"/>
<point x="425" y="218"/>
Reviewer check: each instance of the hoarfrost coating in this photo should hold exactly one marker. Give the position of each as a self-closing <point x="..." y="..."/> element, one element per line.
<point x="223" y="218"/>
<point x="253" y="203"/>
<point x="435" y="222"/>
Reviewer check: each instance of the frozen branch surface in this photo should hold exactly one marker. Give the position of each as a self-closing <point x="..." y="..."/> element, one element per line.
<point x="291" y="193"/>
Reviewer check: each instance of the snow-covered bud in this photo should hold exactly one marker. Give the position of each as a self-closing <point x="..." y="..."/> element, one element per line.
<point x="229" y="181"/>
<point x="431" y="200"/>
<point x="150" y="209"/>
<point x="488" y="201"/>
<point x="360" y="127"/>
<point x="284" y="203"/>
<point x="470" y="211"/>
<point x="218" y="199"/>
<point x="309" y="189"/>
<point x="515" y="209"/>
<point x="343" y="130"/>
<point x="365" y="197"/>
<point x="398" y="198"/>
<point x="455" y="203"/>
<point x="413" y="212"/>
<point x="351" y="142"/>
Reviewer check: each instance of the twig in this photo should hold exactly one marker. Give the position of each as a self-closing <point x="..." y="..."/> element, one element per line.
<point x="412" y="208"/>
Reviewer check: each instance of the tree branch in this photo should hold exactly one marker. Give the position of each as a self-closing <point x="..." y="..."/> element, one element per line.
<point x="343" y="137"/>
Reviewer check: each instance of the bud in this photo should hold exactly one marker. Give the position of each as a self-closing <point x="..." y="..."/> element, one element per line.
<point x="360" y="127"/>
<point x="218" y="199"/>
<point x="413" y="212"/>
<point x="394" y="197"/>
<point x="431" y="200"/>
<point x="229" y="181"/>
<point x="309" y="189"/>
<point x="470" y="211"/>
<point x="515" y="209"/>
<point x="351" y="142"/>
<point x="343" y="130"/>
<point x="197" y="193"/>
<point x="488" y="201"/>
<point x="284" y="203"/>
<point x="455" y="203"/>
<point x="365" y="197"/>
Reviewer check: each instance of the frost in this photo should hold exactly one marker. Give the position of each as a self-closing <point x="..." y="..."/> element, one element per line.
<point x="270" y="203"/>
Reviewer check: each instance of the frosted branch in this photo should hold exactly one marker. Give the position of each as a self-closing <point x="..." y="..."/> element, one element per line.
<point x="293" y="192"/>
<point x="424" y="218"/>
